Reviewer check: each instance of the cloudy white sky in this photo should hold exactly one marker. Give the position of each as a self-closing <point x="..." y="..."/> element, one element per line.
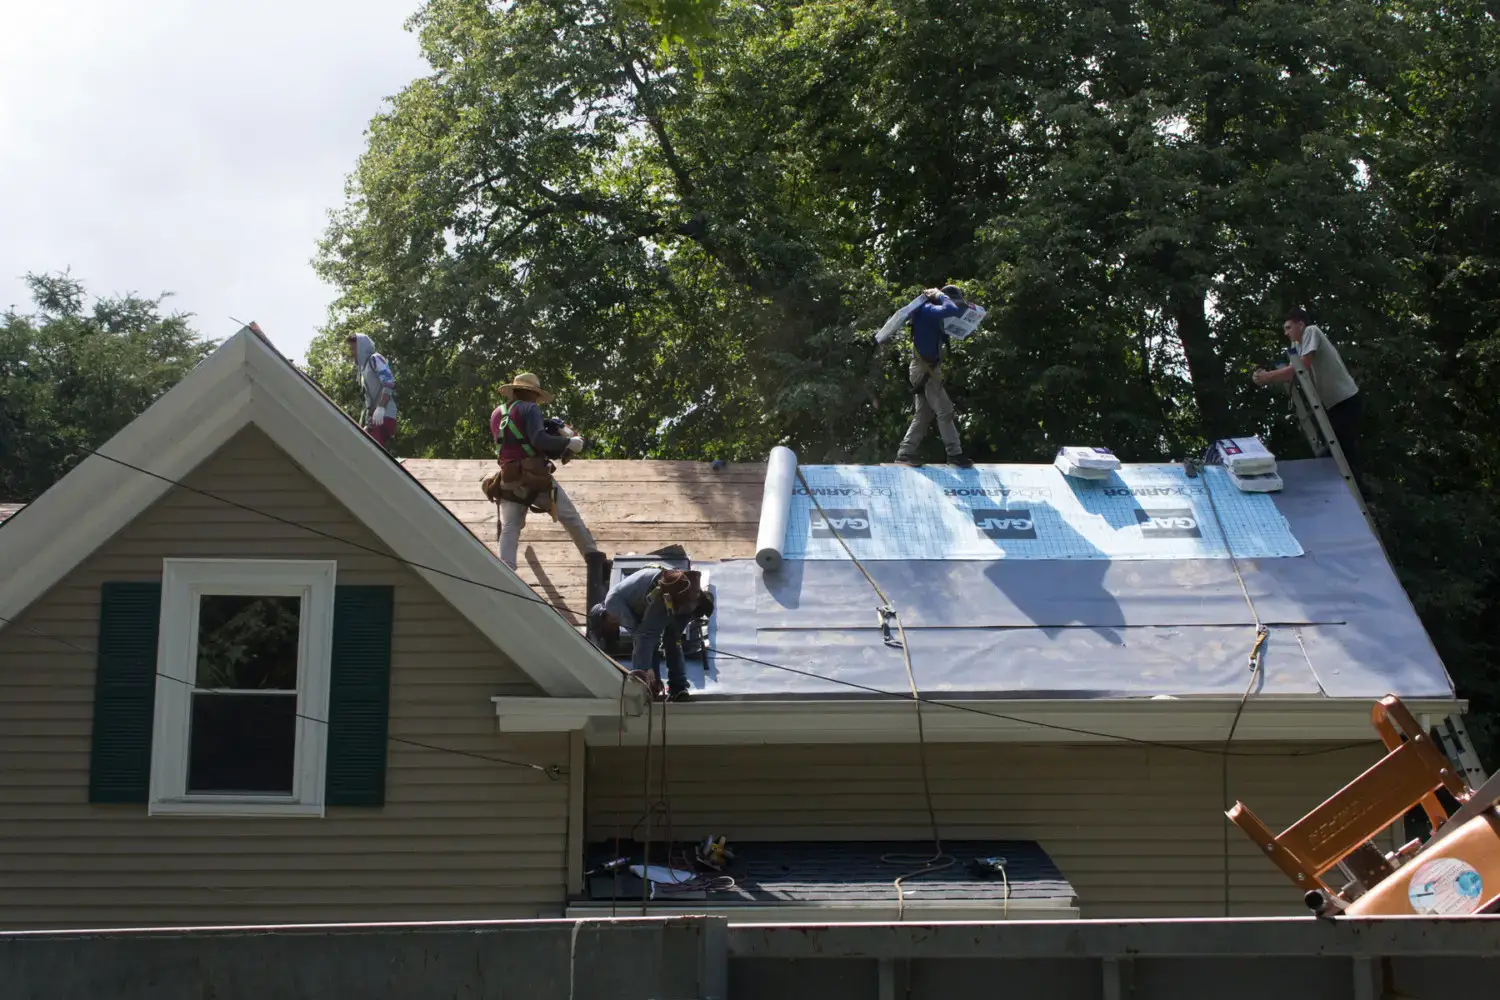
<point x="190" y="147"/>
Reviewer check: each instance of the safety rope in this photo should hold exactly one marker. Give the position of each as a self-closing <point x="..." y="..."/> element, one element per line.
<point x="1256" y="663"/>
<point x="940" y="859"/>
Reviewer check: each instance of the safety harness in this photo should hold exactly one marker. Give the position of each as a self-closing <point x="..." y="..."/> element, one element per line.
<point x="528" y="481"/>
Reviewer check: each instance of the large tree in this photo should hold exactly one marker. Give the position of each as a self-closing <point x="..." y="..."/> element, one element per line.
<point x="72" y="374"/>
<point x="694" y="246"/>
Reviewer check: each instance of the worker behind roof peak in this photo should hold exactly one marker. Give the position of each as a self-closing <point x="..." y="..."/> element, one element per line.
<point x="925" y="315"/>
<point x="378" y="387"/>
<point x="525" y="444"/>
<point x="1336" y="388"/>
<point x="656" y="604"/>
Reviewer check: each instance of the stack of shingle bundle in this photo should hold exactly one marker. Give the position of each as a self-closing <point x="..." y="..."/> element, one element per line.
<point x="1250" y="464"/>
<point x="1086" y="463"/>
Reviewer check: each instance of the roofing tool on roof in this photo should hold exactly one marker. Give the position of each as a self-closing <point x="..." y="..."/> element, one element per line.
<point x="884" y="615"/>
<point x="1331" y="856"/>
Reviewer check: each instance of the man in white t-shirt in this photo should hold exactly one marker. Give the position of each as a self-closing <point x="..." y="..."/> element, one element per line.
<point x="1335" y="386"/>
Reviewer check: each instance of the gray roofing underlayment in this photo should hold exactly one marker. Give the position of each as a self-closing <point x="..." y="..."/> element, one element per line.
<point x="1340" y="625"/>
<point x="843" y="872"/>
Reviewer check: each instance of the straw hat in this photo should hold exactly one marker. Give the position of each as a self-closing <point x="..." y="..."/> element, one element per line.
<point x="526" y="380"/>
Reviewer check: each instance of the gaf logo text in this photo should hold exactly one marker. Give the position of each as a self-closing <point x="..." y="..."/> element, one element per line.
<point x="1170" y="522"/>
<point x="847" y="523"/>
<point x="1015" y="523"/>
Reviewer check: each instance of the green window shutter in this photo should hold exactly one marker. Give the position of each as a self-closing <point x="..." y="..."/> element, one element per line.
<point x="124" y="692"/>
<point x="359" y="697"/>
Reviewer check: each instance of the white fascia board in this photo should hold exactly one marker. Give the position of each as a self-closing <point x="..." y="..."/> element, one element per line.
<point x="822" y="913"/>
<point x="551" y="715"/>
<point x="97" y="498"/>
<point x="1206" y="721"/>
<point x="418" y="529"/>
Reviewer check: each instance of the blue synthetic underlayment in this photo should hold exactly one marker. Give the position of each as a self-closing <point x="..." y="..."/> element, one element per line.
<point x="1030" y="512"/>
<point x="1340" y="622"/>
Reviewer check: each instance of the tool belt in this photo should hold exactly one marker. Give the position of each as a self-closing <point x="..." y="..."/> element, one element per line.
<point x="929" y="369"/>
<point x="527" y="480"/>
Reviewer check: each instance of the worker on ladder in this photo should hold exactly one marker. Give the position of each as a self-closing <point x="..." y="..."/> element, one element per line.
<point x="525" y="445"/>
<point x="1340" y="396"/>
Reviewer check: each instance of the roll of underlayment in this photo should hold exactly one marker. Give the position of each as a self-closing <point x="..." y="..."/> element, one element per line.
<point x="775" y="507"/>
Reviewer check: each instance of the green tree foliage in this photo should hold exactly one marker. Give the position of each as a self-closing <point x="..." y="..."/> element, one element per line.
<point x="694" y="247"/>
<point x="71" y="375"/>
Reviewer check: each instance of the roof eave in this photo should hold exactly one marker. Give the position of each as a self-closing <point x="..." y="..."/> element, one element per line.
<point x="978" y="720"/>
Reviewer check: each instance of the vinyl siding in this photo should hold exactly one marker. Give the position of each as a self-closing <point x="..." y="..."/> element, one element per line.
<point x="459" y="837"/>
<point x="1139" y="832"/>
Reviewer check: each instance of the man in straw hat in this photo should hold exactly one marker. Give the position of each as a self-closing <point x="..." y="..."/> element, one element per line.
<point x="656" y="604"/>
<point x="525" y="444"/>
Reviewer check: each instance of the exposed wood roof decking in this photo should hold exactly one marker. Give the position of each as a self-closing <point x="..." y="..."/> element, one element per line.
<point x="634" y="506"/>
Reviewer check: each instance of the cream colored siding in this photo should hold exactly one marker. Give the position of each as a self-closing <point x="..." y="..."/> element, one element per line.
<point x="1139" y="832"/>
<point x="458" y="838"/>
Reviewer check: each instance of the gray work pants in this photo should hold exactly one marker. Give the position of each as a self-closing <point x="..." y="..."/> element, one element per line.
<point x="932" y="402"/>
<point x="513" y="519"/>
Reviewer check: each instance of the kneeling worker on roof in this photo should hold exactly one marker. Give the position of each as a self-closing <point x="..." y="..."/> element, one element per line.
<point x="655" y="604"/>
<point x="525" y="443"/>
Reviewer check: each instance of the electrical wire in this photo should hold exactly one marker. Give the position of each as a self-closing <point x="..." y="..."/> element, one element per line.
<point x="940" y="859"/>
<point x="533" y="598"/>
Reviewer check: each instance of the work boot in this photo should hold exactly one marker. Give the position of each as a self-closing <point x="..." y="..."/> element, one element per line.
<point x="910" y="463"/>
<point x="680" y="695"/>
<point x="961" y="461"/>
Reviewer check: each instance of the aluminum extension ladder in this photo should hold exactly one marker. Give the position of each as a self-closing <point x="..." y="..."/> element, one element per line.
<point x="1312" y="417"/>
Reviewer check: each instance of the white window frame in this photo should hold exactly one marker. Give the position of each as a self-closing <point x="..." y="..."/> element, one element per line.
<point x="184" y="582"/>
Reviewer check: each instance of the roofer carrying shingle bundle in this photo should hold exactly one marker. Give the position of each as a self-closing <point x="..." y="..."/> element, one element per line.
<point x="525" y="444"/>
<point x="379" y="388"/>
<point x="926" y="316"/>
<point x="656" y="604"/>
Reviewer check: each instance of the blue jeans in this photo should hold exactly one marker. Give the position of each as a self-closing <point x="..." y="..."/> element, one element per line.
<point x="658" y="628"/>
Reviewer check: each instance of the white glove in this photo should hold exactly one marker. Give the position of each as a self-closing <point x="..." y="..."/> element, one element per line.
<point x="575" y="444"/>
<point x="377" y="416"/>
